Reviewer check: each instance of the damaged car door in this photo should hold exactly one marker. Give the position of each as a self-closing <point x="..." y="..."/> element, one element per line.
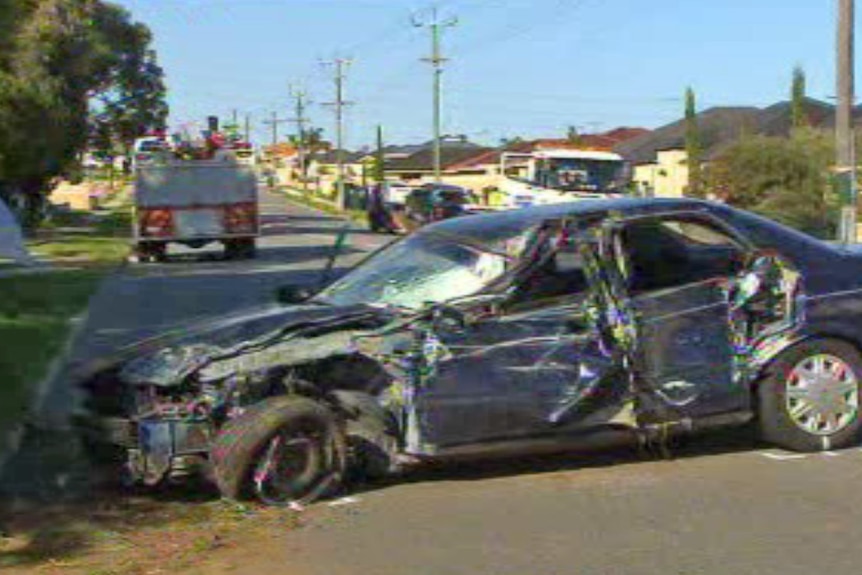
<point x="678" y="271"/>
<point x="528" y="366"/>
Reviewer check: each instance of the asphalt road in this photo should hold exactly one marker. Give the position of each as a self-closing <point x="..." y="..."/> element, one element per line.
<point x="197" y="283"/>
<point x="722" y="505"/>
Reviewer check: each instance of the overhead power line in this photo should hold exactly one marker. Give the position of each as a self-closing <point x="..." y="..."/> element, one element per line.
<point x="273" y="123"/>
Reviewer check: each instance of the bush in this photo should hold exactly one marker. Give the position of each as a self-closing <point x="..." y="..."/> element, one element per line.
<point x="786" y="179"/>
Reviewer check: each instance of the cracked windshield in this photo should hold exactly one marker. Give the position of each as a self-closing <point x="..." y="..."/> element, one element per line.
<point x="384" y="287"/>
<point x="419" y="271"/>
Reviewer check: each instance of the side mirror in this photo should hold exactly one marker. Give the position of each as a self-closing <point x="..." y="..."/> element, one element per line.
<point x="292" y="294"/>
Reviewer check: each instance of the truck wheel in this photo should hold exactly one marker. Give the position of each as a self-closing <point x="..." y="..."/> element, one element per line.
<point x="249" y="248"/>
<point x="809" y="398"/>
<point x="160" y="252"/>
<point x="232" y="249"/>
<point x="282" y="451"/>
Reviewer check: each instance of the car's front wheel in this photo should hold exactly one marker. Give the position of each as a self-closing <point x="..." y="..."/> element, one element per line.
<point x="809" y="397"/>
<point x="281" y="451"/>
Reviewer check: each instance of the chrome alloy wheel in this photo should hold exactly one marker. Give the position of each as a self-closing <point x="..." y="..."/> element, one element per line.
<point x="822" y="394"/>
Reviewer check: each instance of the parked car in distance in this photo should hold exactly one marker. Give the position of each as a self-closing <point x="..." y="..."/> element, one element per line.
<point x="545" y="329"/>
<point x="396" y="192"/>
<point x="435" y="202"/>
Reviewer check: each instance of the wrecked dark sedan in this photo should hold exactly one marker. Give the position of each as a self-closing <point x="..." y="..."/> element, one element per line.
<point x="543" y="329"/>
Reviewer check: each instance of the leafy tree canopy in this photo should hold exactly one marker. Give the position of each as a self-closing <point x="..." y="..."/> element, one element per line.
<point x="786" y="179"/>
<point x="71" y="71"/>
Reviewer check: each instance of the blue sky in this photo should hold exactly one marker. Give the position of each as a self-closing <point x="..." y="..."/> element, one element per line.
<point x="518" y="67"/>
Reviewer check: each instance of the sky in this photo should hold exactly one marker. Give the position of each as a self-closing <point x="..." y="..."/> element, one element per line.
<point x="527" y="68"/>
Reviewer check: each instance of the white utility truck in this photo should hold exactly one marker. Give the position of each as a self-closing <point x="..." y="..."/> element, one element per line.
<point x="554" y="176"/>
<point x="194" y="203"/>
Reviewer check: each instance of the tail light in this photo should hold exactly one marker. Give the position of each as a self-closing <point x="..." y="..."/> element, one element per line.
<point x="240" y="218"/>
<point x="157" y="223"/>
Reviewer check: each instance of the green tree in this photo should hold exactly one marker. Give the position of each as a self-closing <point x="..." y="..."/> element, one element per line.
<point x="572" y="135"/>
<point x="786" y="179"/>
<point x="693" y="147"/>
<point x="58" y="58"/>
<point x="507" y="142"/>
<point x="798" y="117"/>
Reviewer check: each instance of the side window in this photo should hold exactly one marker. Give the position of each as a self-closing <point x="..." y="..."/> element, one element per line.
<point x="670" y="252"/>
<point x="560" y="274"/>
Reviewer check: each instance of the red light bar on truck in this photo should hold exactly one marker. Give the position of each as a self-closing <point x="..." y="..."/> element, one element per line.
<point x="156" y="223"/>
<point x="240" y="218"/>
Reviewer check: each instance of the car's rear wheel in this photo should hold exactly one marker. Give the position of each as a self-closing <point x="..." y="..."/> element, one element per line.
<point x="282" y="451"/>
<point x="809" y="397"/>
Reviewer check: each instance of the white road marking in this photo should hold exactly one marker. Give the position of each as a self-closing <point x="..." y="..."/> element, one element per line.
<point x="344" y="501"/>
<point x="783" y="457"/>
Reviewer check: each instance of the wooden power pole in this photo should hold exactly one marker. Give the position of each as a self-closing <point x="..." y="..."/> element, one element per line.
<point x="844" y="140"/>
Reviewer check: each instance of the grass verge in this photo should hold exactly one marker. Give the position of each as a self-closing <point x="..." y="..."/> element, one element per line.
<point x="34" y="323"/>
<point x="358" y="216"/>
<point x="84" y="237"/>
<point x="36" y="308"/>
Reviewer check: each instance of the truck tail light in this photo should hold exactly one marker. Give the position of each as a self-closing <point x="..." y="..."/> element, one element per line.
<point x="240" y="218"/>
<point x="157" y="223"/>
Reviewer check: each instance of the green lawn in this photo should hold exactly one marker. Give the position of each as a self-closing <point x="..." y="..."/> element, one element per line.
<point x="103" y="239"/>
<point x="34" y="323"/>
<point x="87" y="249"/>
<point x="35" y="308"/>
<point x="319" y="203"/>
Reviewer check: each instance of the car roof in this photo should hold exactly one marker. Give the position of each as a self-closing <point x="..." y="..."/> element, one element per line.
<point x="498" y="225"/>
<point x="807" y="252"/>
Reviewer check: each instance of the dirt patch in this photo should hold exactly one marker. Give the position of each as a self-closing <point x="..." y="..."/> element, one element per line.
<point x="136" y="535"/>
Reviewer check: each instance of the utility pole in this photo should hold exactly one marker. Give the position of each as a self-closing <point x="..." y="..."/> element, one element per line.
<point x="339" y="65"/>
<point x="273" y="124"/>
<point x="380" y="167"/>
<point x="248" y="128"/>
<point x="436" y="60"/>
<point x="845" y="160"/>
<point x="300" y="120"/>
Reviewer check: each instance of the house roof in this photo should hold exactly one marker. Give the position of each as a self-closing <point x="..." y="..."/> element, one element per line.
<point x="423" y="160"/>
<point x="777" y="119"/>
<point x="717" y="126"/>
<point x="720" y="127"/>
<point x="331" y="157"/>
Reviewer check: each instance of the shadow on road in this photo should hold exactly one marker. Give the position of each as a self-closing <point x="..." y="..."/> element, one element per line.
<point x="725" y="441"/>
<point x="58" y="504"/>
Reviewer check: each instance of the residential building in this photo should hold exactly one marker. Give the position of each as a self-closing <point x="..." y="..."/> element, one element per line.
<point x="659" y="161"/>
